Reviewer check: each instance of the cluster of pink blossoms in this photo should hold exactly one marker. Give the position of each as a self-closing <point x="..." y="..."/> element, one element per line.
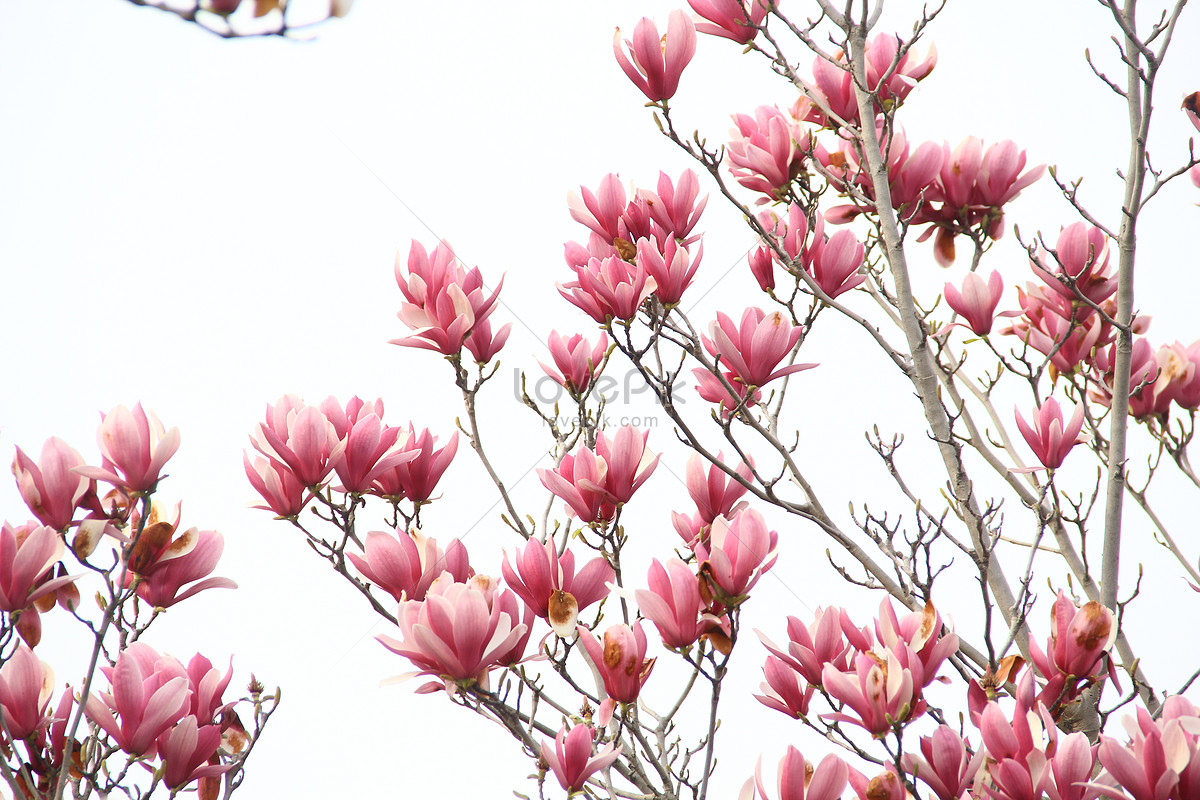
<point x="831" y="261"/>
<point x="301" y="445"/>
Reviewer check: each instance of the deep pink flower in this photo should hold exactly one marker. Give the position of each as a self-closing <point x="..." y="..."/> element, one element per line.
<point x="881" y="691"/>
<point x="356" y="408"/>
<point x="609" y="289"/>
<point x="811" y="647"/>
<point x="600" y="211"/>
<point x="692" y="528"/>
<point x="658" y="62"/>
<point x="1081" y="258"/>
<point x="417" y="479"/>
<point x="579" y="480"/>
<point x="835" y="86"/>
<point x="753" y="349"/>
<point x="672" y="602"/>
<point x="1075" y="654"/>
<point x="1150" y="385"/>
<point x="1183" y="368"/>
<point x="454" y="634"/>
<point x="1162" y="758"/>
<point x="977" y="301"/>
<point x="738" y="552"/>
<point x="673" y="207"/>
<point x="945" y="765"/>
<point x="27" y="554"/>
<point x="784" y="690"/>
<point x="713" y="491"/>
<point x="300" y="437"/>
<point x="150" y="693"/>
<point x="911" y="178"/>
<point x="25" y="688"/>
<point x="833" y="263"/>
<point x="188" y="558"/>
<point x="134" y="447"/>
<point x="919" y="630"/>
<point x="52" y="488"/>
<point x="186" y="750"/>
<point x="621" y="660"/>
<point x="629" y="462"/>
<point x="405" y="565"/>
<point x="579" y="362"/>
<point x="1071" y="767"/>
<point x="738" y="20"/>
<point x="711" y="389"/>
<point x="1049" y="439"/>
<point x="483" y="344"/>
<point x="571" y="757"/>
<point x="370" y="449"/>
<point x="799" y="781"/>
<point x="766" y="152"/>
<point x="672" y="269"/>
<point x="283" y="493"/>
<point x="549" y="584"/>
<point x="444" y="301"/>
<point x="208" y="686"/>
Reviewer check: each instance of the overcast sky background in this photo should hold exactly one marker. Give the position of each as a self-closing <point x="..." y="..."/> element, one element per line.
<point x="205" y="225"/>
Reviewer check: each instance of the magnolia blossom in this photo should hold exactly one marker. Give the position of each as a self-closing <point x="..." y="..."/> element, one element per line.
<point x="550" y="586"/>
<point x="1049" y="439"/>
<point x="752" y="350"/>
<point x="405" y="565"/>
<point x="881" y="691"/>
<point x="944" y="765"/>
<point x="578" y="362"/>
<point x="657" y="61"/>
<point x="766" y="152"/>
<point x="620" y="660"/>
<point x="609" y="289"/>
<point x="150" y="693"/>
<point x="571" y="757"/>
<point x="187" y="560"/>
<point x="811" y="647"/>
<point x="135" y="448"/>
<point x="371" y="448"/>
<point x="27" y="554"/>
<point x="418" y="477"/>
<point x="1076" y="652"/>
<point x="673" y="207"/>
<point x="601" y="210"/>
<point x="300" y="437"/>
<point x="671" y="269"/>
<point x="595" y="484"/>
<point x="977" y="301"/>
<point x="277" y="484"/>
<point x="186" y="751"/>
<point x="714" y="492"/>
<point x="672" y="602"/>
<point x="798" y="780"/>
<point x="51" y="487"/>
<point x="26" y="684"/>
<point x="738" y="20"/>
<point x="784" y="690"/>
<point x="738" y="552"/>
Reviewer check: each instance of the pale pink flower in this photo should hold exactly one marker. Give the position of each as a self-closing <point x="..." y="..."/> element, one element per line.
<point x="186" y="751"/>
<point x="919" y="630"/>
<point x="738" y="552"/>
<point x="713" y="491"/>
<point x="1194" y="174"/>
<point x="711" y="389"/>
<point x="1049" y="439"/>
<point x="405" y="565"/>
<point x="134" y="446"/>
<point x="657" y="62"/>
<point x="752" y="350"/>
<point x="27" y="554"/>
<point x="672" y="602"/>
<point x="1150" y="389"/>
<point x="300" y="437"/>
<point x="444" y="301"/>
<point x="188" y="559"/>
<point x="26" y="684"/>
<point x="52" y="488"/>
<point x="550" y="586"/>
<point x="672" y="269"/>
<point x="1082" y="256"/>
<point x="620" y="660"/>
<point x="579" y="362"/>
<point x="833" y="263"/>
<point x="454" y="634"/>
<point x="811" y="647"/>
<point x="150" y="693"/>
<point x="977" y="301"/>
<point x="882" y="690"/>
<point x="571" y="757"/>
<point x="277" y="484"/>
<point x="945" y="763"/>
<point x="673" y="207"/>
<point x="692" y="528"/>
<point x="738" y="20"/>
<point x="609" y="289"/>
<point x="766" y="152"/>
<point x="1161" y="760"/>
<point x="356" y="408"/>
<point x="601" y="212"/>
<point x="370" y="448"/>
<point x="799" y="781"/>
<point x="208" y="686"/>
<point x="578" y="255"/>
<point x="887" y="785"/>
<point x="835" y="86"/>
<point x="579" y="481"/>
<point x="784" y="690"/>
<point x="417" y="479"/>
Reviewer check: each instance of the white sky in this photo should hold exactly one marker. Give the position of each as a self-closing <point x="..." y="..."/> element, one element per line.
<point x="194" y="223"/>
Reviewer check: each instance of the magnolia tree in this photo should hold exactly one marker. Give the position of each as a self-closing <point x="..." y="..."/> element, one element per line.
<point x="611" y="671"/>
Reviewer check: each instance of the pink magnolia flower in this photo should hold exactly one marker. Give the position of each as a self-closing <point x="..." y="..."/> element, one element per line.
<point x="343" y="419"/>
<point x="629" y="462"/>
<point x="946" y="764"/>
<point x="1150" y="383"/>
<point x="27" y="554"/>
<point x="1049" y="439"/>
<point x="887" y="785"/>
<point x="277" y="484"/>
<point x="762" y="267"/>
<point x="1075" y="654"/>
<point x="26" y="684"/>
<point x="405" y="565"/>
<point x="300" y="437"/>
<point x="52" y="488"/>
<point x="784" y="690"/>
<point x="578" y="255"/>
<point x="811" y="647"/>
<point x="187" y="750"/>
<point x="208" y="686"/>
<point x="579" y="362"/>
<point x="738" y="552"/>
<point x="881" y="691"/>
<point x="835" y="88"/>
<point x="977" y="301"/>
<point x="1162" y="758"/>
<point x="713" y="491"/>
<point x="620" y="660"/>
<point x="571" y="758"/>
<point x="798" y="780"/>
<point x="673" y="207"/>
<point x="150" y="693"/>
<point x="711" y="389"/>
<point x="1182" y="367"/>
<point x="550" y="586"/>
<point x="672" y="269"/>
<point x="600" y="211"/>
<point x="658" y="62"/>
<point x="454" y="634"/>
<point x="833" y="263"/>
<point x="691" y="528"/>
<point x="919" y="630"/>
<point x="738" y="20"/>
<point x="579" y="480"/>
<point x="752" y="350"/>
<point x="444" y="301"/>
<point x="418" y="478"/>
<point x="1071" y="767"/>
<point x="484" y="344"/>
<point x="187" y="560"/>
<point x="609" y="289"/>
<point x="134" y="447"/>
<point x="1070" y="337"/>
<point x="767" y="151"/>
<point x="370" y="449"/>
<point x="672" y="602"/>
